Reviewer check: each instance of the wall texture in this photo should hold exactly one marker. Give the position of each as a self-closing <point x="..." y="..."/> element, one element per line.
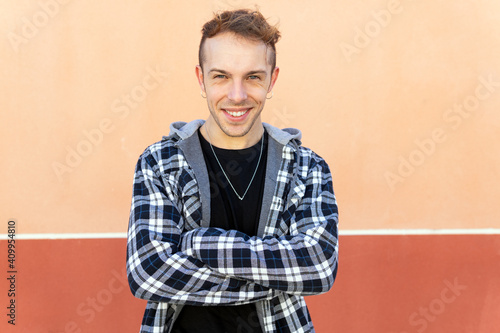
<point x="401" y="97"/>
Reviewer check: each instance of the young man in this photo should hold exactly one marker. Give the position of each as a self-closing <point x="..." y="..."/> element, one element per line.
<point x="232" y="220"/>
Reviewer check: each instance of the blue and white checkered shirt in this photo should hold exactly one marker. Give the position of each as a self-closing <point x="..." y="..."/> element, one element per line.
<point x="175" y="258"/>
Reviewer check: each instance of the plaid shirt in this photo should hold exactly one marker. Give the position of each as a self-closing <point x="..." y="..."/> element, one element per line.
<point x="174" y="258"/>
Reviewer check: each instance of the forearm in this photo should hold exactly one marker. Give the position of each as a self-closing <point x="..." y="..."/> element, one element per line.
<point x="297" y="264"/>
<point x="157" y="271"/>
<point x="300" y="253"/>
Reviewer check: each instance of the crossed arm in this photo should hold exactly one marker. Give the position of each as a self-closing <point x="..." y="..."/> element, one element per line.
<point x="214" y="266"/>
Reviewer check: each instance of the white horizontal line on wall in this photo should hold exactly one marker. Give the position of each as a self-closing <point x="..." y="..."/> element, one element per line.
<point x="70" y="236"/>
<point x="383" y="232"/>
<point x="361" y="232"/>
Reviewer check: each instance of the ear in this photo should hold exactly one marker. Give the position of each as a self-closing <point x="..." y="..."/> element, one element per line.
<point x="274" y="77"/>
<point x="199" y="76"/>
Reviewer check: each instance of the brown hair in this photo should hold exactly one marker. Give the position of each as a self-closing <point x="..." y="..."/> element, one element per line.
<point x="245" y="23"/>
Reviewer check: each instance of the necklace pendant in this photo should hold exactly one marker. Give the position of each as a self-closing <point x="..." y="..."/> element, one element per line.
<point x="227" y="178"/>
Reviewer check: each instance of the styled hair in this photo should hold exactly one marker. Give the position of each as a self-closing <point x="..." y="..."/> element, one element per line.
<point x="244" y="23"/>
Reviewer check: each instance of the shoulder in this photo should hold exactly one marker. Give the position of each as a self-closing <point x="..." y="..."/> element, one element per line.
<point x="290" y="138"/>
<point x="168" y="147"/>
<point x="160" y="156"/>
<point x="167" y="154"/>
<point x="307" y="158"/>
<point x="161" y="150"/>
<point x="283" y="136"/>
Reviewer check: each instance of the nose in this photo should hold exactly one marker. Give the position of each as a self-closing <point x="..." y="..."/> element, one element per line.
<point x="237" y="92"/>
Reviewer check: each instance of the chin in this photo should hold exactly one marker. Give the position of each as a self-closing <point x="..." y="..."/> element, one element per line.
<point x="234" y="133"/>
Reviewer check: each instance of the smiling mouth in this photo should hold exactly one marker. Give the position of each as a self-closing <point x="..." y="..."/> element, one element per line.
<point x="237" y="113"/>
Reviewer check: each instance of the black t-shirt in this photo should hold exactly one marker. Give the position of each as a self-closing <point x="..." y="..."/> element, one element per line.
<point x="227" y="211"/>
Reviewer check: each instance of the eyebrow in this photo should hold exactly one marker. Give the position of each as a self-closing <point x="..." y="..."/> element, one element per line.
<point x="227" y="73"/>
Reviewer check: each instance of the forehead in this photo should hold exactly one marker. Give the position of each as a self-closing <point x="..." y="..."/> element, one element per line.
<point x="233" y="52"/>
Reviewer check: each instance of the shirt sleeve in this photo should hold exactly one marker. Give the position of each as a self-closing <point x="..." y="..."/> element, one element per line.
<point x="157" y="270"/>
<point x="303" y="261"/>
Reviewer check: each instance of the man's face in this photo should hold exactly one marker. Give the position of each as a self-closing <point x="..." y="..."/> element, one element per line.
<point x="236" y="78"/>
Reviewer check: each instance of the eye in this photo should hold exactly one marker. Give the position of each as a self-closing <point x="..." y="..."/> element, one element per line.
<point x="219" y="76"/>
<point x="254" y="77"/>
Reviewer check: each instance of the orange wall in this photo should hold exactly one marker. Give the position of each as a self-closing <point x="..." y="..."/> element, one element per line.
<point x="400" y="97"/>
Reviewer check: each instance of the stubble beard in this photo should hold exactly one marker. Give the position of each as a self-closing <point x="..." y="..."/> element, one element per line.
<point x="226" y="131"/>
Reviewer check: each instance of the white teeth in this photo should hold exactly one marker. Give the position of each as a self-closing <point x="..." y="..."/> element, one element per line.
<point x="237" y="114"/>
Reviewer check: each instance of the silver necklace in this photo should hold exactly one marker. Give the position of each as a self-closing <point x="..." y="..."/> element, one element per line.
<point x="227" y="178"/>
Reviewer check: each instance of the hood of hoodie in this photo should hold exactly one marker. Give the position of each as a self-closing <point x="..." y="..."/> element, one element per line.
<point x="183" y="130"/>
<point x="183" y="133"/>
